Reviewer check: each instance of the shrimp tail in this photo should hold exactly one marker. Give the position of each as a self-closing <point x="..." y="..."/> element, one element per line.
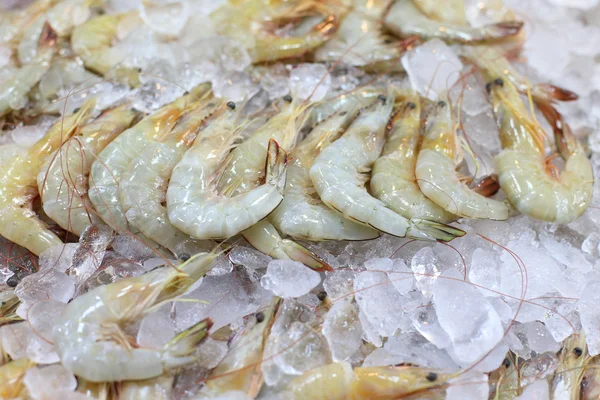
<point x="179" y="350"/>
<point x="566" y="142"/>
<point x="502" y="30"/>
<point x="430" y="230"/>
<point x="300" y="253"/>
<point x="550" y="92"/>
<point x="275" y="170"/>
<point x="488" y="186"/>
<point x="48" y="36"/>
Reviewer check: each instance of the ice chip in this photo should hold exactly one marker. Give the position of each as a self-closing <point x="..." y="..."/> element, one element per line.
<point x="538" y="390"/>
<point x="426" y="268"/>
<point x="310" y="80"/>
<point x="249" y="257"/>
<point x="343" y="330"/>
<point x="235" y="86"/>
<point x="43" y="381"/>
<point x="539" y="339"/>
<point x="590" y="315"/>
<point x="156" y="329"/>
<point x="131" y="247"/>
<point x="289" y="278"/>
<point x="58" y="258"/>
<point x="469" y="386"/>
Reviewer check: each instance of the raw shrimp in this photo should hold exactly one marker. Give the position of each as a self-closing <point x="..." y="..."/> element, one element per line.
<point x="240" y="370"/>
<point x="112" y="162"/>
<point x="193" y="202"/>
<point x="143" y="186"/>
<point x="522" y="170"/>
<point x="393" y="178"/>
<point x="63" y="179"/>
<point x="590" y="382"/>
<point x="302" y="214"/>
<point x="340" y="382"/>
<point x="337" y="177"/>
<point x="18" y="186"/>
<point x="452" y="11"/>
<point x="14" y="22"/>
<point x="89" y="336"/>
<point x="405" y="19"/>
<point x="11" y="378"/>
<point x="572" y="358"/>
<point x="14" y="89"/>
<point x="254" y="22"/>
<point x="436" y="170"/>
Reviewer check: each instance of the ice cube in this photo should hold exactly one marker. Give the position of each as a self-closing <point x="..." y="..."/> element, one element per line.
<point x="590" y="315"/>
<point x="159" y="86"/>
<point x="538" y="390"/>
<point x="211" y="352"/>
<point x="27" y="135"/>
<point x="235" y="86"/>
<point x="432" y="68"/>
<point x="343" y="330"/>
<point x="539" y="338"/>
<point x="233" y="395"/>
<point x="58" y="258"/>
<point x="43" y="315"/>
<point x="88" y="257"/>
<point x="426" y="322"/>
<point x="468" y="386"/>
<point x="289" y="278"/>
<point x="19" y="340"/>
<point x="483" y="131"/>
<point x="44" y="285"/>
<point x="591" y="244"/>
<point x="471" y="94"/>
<point x="113" y="268"/>
<point x="275" y="81"/>
<point x="165" y="17"/>
<point x="131" y="247"/>
<point x="45" y="381"/>
<point x="542" y="43"/>
<point x="339" y="283"/>
<point x="426" y="268"/>
<point x="249" y="257"/>
<point x="414" y="348"/>
<point x="485" y="271"/>
<point x="310" y="81"/>
<point x="156" y="329"/>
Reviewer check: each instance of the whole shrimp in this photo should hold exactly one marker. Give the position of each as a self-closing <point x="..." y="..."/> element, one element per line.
<point x="18" y="186"/>
<point x="338" y="381"/>
<point x="240" y="370"/>
<point x="405" y="19"/>
<point x="14" y="89"/>
<point x="112" y="162"/>
<point x="573" y="357"/>
<point x="337" y="174"/>
<point x="302" y="214"/>
<point x="89" y="336"/>
<point x="393" y="179"/>
<point x="436" y="170"/>
<point x="523" y="173"/>
<point x="63" y="179"/>
<point x="11" y="378"/>
<point x="253" y="23"/>
<point x="143" y="186"/>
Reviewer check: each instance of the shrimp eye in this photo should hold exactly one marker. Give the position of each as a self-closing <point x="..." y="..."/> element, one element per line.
<point x="322" y="296"/>
<point x="488" y="87"/>
<point x="411" y="105"/>
<point x="75" y="111"/>
<point x="499" y="82"/>
<point x="578" y="351"/>
<point x="506" y="363"/>
<point x="431" y="377"/>
<point x="186" y="92"/>
<point x="184" y="257"/>
<point x="287" y="98"/>
<point x="441" y="103"/>
<point x="343" y="113"/>
<point x="382" y="98"/>
<point x="139" y="70"/>
<point x="13" y="281"/>
<point x="231" y="105"/>
<point x="260" y="317"/>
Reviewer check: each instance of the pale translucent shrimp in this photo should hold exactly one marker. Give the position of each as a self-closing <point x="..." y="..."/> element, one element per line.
<point x="253" y="23"/>
<point x="452" y="11"/>
<point x="89" y="336"/>
<point x="63" y="179"/>
<point x="393" y="178"/>
<point x="566" y="383"/>
<point x="143" y="186"/>
<point x="337" y="177"/>
<point x="196" y="206"/>
<point x="302" y="214"/>
<point x="14" y="89"/>
<point x="522" y="170"/>
<point x="14" y="22"/>
<point x="359" y="40"/>
<point x="338" y="381"/>
<point x="18" y="186"/>
<point x="155" y="389"/>
<point x="11" y="378"/>
<point x="240" y="370"/>
<point x="112" y="162"/>
<point x="436" y="170"/>
<point x="405" y="19"/>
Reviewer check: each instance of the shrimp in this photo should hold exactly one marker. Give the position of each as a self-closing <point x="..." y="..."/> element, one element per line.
<point x="253" y="23"/>
<point x="241" y="368"/>
<point x="340" y="382"/>
<point x="112" y="162"/>
<point x="11" y="378"/>
<point x="359" y="40"/>
<point x="18" y="186"/>
<point x="522" y="170"/>
<point x="393" y="178"/>
<point x="337" y="177"/>
<point x="590" y="383"/>
<point x="452" y="11"/>
<point x="63" y="179"/>
<point x="572" y="358"/>
<point x="143" y="186"/>
<point x="196" y="206"/>
<point x="14" y="22"/>
<point x="14" y="89"/>
<point x="302" y="214"/>
<point x="405" y="19"/>
<point x="436" y="170"/>
<point x="89" y="336"/>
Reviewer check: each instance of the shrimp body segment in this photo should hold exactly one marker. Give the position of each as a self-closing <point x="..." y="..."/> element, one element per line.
<point x="11" y="378"/>
<point x="63" y="179"/>
<point x="405" y="19"/>
<point x="393" y="179"/>
<point x="338" y="179"/>
<point x="436" y="170"/>
<point x="89" y="336"/>
<point x="18" y="186"/>
<point x="521" y="165"/>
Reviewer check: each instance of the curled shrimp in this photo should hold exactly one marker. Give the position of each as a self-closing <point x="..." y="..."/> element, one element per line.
<point x="337" y="174"/>
<point x="436" y="170"/>
<point x="11" y="378"/>
<point x="302" y="214"/>
<point x="112" y="162"/>
<point x="405" y="19"/>
<point x="339" y="382"/>
<point x="143" y="186"/>
<point x="18" y="186"/>
<point x="63" y="179"/>
<point x="253" y="23"/>
<point x="196" y="206"/>
<point x="89" y="336"/>
<point x="240" y="370"/>
<point x="523" y="173"/>
<point x="393" y="179"/>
